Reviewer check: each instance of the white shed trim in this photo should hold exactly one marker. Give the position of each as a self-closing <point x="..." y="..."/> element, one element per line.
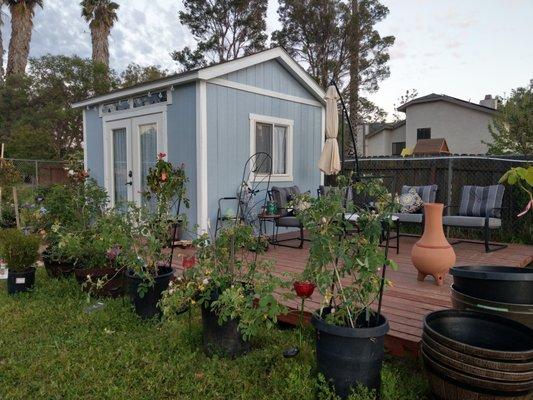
<point x="202" y="215"/>
<point x="264" y="92"/>
<point x="215" y="71"/>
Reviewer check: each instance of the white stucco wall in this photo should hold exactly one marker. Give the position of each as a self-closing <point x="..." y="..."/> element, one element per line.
<point x="463" y="128"/>
<point x="381" y="143"/>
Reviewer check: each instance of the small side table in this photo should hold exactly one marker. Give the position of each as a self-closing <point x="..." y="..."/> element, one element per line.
<point x="263" y="219"/>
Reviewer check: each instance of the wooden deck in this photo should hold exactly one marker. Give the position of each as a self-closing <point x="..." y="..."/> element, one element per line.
<point x="407" y="302"/>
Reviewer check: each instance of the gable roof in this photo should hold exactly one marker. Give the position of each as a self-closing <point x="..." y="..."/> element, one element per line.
<point x="377" y="128"/>
<point x="442" y="97"/>
<point x="431" y="146"/>
<point x="213" y="71"/>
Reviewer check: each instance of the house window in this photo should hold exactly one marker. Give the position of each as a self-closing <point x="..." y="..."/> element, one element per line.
<point x="272" y="136"/>
<point x="423" y="133"/>
<point x="397" y="148"/>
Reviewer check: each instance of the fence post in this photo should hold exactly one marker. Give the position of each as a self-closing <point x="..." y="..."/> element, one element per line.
<point x="449" y="185"/>
<point x="36" y="173"/>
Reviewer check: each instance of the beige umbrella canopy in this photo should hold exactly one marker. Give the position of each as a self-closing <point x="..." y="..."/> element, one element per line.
<point x="330" y="162"/>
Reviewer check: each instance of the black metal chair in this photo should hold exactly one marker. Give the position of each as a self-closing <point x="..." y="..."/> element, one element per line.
<point x="480" y="208"/>
<point x="282" y="196"/>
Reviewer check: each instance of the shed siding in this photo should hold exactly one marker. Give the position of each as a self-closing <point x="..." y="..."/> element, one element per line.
<point x="270" y="75"/>
<point x="228" y="140"/>
<point x="94" y="145"/>
<point x="181" y="139"/>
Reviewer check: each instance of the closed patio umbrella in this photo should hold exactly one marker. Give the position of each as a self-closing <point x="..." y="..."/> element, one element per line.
<point x="330" y="162"/>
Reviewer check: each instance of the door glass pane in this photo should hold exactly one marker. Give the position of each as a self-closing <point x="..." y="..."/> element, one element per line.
<point x="148" y="135"/>
<point x="120" y="176"/>
<point x="263" y="143"/>
<point x="280" y="150"/>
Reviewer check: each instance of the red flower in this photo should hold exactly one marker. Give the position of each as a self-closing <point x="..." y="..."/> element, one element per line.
<point x="161" y="155"/>
<point x="164" y="176"/>
<point x="188" y="262"/>
<point x="304" y="289"/>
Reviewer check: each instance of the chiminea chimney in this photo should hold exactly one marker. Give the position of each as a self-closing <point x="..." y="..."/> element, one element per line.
<point x="488" y="101"/>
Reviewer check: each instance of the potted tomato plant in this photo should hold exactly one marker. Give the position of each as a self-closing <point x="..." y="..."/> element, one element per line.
<point x="149" y="270"/>
<point x="347" y="272"/>
<point x="19" y="252"/>
<point x="233" y="288"/>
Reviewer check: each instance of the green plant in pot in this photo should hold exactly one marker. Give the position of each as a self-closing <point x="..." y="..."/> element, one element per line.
<point x="347" y="271"/>
<point x="73" y="207"/>
<point x="152" y="227"/>
<point x="19" y="252"/>
<point x="234" y="288"/>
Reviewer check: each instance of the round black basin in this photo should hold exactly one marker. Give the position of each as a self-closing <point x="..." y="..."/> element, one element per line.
<point x="512" y="285"/>
<point x="482" y="335"/>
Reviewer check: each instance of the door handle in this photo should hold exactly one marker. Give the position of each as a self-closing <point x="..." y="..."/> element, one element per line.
<point x="130" y="174"/>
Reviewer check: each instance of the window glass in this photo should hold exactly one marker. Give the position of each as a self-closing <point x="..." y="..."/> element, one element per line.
<point x="263" y="144"/>
<point x="119" y="166"/>
<point x="423" y="133"/>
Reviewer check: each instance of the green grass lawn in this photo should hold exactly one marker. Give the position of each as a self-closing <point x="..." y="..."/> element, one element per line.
<point x="51" y="349"/>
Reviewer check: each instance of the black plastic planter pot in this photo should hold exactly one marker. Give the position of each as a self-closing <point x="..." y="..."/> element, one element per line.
<point x="512" y="285"/>
<point x="522" y="313"/>
<point x="146" y="307"/>
<point x="225" y="339"/>
<point x="348" y="357"/>
<point x="20" y="281"/>
<point x="57" y="268"/>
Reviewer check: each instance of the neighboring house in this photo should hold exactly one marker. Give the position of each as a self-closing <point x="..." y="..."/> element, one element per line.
<point x="464" y="126"/>
<point x="211" y="119"/>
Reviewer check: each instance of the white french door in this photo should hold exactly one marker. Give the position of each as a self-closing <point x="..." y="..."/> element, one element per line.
<point x="131" y="148"/>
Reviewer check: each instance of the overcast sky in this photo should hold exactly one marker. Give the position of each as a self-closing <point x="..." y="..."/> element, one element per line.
<point x="462" y="48"/>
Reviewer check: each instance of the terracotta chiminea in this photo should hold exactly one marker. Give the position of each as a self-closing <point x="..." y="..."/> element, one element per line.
<point x="432" y="254"/>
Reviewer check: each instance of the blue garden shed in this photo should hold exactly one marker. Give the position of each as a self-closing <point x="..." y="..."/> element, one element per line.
<point x="211" y="119"/>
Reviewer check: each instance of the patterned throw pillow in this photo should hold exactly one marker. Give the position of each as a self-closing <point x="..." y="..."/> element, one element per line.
<point x="411" y="202"/>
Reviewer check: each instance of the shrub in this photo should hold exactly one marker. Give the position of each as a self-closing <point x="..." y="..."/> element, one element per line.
<point x="19" y="251"/>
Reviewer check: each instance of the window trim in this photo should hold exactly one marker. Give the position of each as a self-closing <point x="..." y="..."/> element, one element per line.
<point x="289" y="123"/>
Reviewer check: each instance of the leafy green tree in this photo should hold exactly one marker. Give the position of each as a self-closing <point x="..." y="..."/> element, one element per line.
<point x="512" y="125"/>
<point x="224" y="29"/>
<point x="22" y="12"/>
<point x="135" y="74"/>
<point x="314" y="33"/>
<point x="36" y="117"/>
<point x="368" y="54"/>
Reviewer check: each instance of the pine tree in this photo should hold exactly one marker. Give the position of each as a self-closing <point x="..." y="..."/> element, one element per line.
<point x="224" y="29"/>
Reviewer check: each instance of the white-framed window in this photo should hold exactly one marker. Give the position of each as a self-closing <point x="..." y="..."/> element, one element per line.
<point x="273" y="136"/>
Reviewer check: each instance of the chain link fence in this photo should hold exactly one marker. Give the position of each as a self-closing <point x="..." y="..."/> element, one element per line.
<point x="40" y="172"/>
<point x="451" y="173"/>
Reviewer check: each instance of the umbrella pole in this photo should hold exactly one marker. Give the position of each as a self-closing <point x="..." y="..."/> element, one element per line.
<point x="354" y="142"/>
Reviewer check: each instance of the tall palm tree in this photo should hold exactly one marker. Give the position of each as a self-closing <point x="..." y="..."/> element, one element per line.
<point x="1" y="42"/>
<point x="22" y="12"/>
<point x="101" y="16"/>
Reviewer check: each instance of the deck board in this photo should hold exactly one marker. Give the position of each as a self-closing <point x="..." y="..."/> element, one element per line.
<point x="407" y="302"/>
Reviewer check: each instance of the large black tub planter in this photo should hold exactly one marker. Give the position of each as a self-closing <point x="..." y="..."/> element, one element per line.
<point x="512" y="285"/>
<point x="348" y="357"/>
<point x="474" y="355"/>
<point x="225" y="339"/>
<point x="147" y="306"/>
<point x="20" y="281"/>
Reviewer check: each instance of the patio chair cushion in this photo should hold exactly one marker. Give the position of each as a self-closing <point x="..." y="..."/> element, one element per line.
<point x="481" y="201"/>
<point x="427" y="193"/>
<point x="470" y="222"/>
<point x="283" y="195"/>
<point x="409" y="218"/>
<point x="411" y="201"/>
<point x="291" y="222"/>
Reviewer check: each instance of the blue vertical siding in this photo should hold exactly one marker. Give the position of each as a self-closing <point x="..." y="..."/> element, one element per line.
<point x="228" y="139"/>
<point x="181" y="136"/>
<point x="270" y="75"/>
<point x="94" y="145"/>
